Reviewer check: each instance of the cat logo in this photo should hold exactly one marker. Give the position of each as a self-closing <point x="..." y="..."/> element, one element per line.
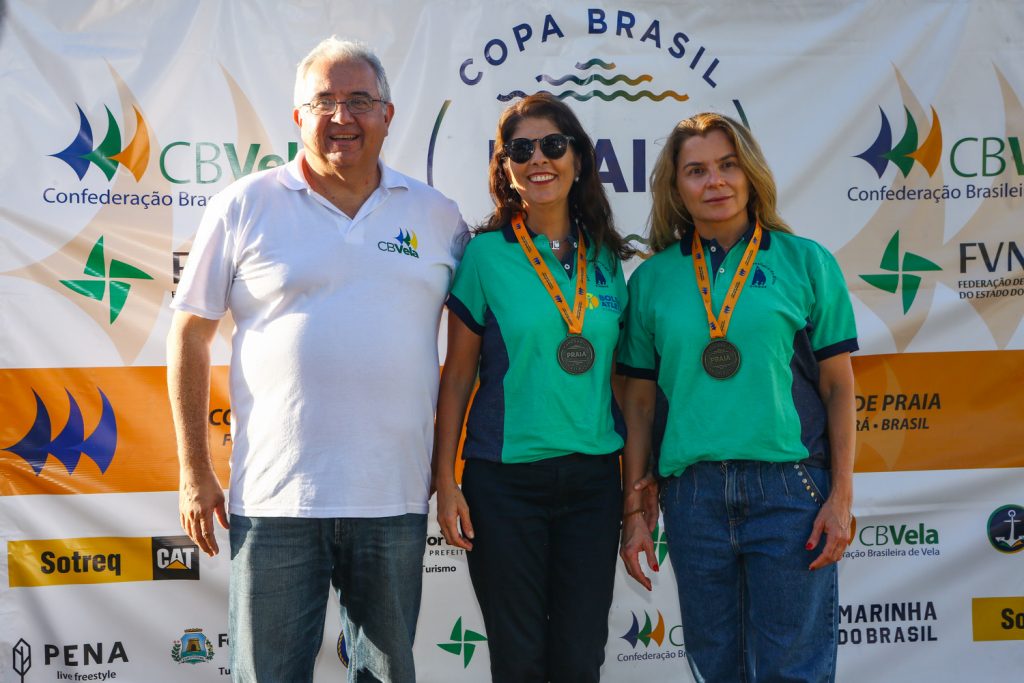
<point x="175" y="558"/>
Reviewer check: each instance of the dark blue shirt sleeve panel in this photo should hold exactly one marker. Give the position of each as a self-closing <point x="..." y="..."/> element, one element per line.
<point x="639" y="373"/>
<point x="460" y="309"/>
<point x="845" y="346"/>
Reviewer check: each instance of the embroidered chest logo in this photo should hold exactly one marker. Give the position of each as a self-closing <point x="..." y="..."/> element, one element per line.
<point x="404" y="243"/>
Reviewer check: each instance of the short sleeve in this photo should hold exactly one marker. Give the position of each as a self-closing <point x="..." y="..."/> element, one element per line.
<point x="833" y="327"/>
<point x="205" y="283"/>
<point x="466" y="298"/>
<point x="460" y="238"/>
<point x="636" y="352"/>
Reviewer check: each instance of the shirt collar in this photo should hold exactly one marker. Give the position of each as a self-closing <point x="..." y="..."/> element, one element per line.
<point x="686" y="243"/>
<point x="510" y="234"/>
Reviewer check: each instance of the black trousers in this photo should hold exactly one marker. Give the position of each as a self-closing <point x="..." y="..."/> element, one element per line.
<point x="543" y="563"/>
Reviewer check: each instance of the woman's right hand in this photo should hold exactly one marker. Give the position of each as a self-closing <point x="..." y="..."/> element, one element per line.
<point x="453" y="516"/>
<point x="636" y="539"/>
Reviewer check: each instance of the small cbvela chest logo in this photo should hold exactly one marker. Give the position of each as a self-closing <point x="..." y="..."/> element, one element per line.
<point x="405" y="242"/>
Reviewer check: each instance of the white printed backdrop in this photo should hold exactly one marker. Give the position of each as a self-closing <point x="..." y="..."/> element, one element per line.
<point x="894" y="130"/>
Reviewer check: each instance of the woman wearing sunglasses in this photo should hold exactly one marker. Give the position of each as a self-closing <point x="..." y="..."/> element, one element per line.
<point x="535" y="307"/>
<point x="747" y="330"/>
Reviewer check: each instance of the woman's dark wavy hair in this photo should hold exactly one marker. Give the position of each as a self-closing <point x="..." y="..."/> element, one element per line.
<point x="588" y="203"/>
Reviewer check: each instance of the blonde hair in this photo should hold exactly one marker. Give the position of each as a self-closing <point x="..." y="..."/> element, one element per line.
<point x="669" y="220"/>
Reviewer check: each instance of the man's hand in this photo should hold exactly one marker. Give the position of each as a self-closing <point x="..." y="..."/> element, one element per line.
<point x="200" y="497"/>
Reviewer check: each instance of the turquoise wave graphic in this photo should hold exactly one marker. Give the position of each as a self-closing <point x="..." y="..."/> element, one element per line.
<point x="596" y="77"/>
<point x="583" y="66"/>
<point x="583" y="97"/>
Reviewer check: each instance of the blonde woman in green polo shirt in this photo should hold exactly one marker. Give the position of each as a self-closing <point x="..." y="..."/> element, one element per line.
<point x="536" y="307"/>
<point x="745" y="331"/>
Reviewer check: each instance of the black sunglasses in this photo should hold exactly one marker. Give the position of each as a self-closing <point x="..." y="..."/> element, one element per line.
<point x="553" y="146"/>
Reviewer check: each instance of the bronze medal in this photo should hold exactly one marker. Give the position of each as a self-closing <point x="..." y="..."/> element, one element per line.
<point x="575" y="354"/>
<point x="721" y="359"/>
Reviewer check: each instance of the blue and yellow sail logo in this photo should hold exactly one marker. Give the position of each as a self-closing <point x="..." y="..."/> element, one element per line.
<point x="405" y="243"/>
<point x="108" y="154"/>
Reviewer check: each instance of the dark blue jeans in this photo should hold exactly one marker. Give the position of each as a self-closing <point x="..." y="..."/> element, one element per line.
<point x="543" y="563"/>
<point x="281" y="571"/>
<point x="751" y="609"/>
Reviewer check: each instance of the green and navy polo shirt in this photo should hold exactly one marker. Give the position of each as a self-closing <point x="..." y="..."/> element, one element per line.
<point x="527" y="408"/>
<point x="793" y="313"/>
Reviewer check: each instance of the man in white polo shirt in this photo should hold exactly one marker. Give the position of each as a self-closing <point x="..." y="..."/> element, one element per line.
<point x="334" y="269"/>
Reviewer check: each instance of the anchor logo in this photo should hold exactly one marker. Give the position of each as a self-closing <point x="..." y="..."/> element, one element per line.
<point x="1002" y="539"/>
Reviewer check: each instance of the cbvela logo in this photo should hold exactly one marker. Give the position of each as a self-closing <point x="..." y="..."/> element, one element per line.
<point x="895" y="540"/>
<point x="405" y="243"/>
<point x="192" y="648"/>
<point x="901" y="275"/>
<point x="463" y="642"/>
<point x="1006" y="529"/>
<point x="109" y="154"/>
<point x="653" y="634"/>
<point x="179" y="162"/>
<point x="975" y="155"/>
<point x="660" y="544"/>
<point x="647" y="634"/>
<point x="117" y="276"/>
<point x="72" y="443"/>
<point x="68" y="561"/>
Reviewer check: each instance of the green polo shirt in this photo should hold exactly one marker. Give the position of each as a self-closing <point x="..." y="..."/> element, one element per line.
<point x="527" y="407"/>
<point x="793" y="313"/>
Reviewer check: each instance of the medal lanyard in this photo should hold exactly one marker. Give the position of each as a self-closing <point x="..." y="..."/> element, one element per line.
<point x="720" y="325"/>
<point x="573" y="318"/>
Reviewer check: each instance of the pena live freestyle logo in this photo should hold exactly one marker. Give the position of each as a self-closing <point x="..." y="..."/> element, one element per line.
<point x="463" y="642"/>
<point x="72" y="442"/>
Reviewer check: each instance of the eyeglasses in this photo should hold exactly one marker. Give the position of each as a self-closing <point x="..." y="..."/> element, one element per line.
<point x="553" y="146"/>
<point x="326" y="106"/>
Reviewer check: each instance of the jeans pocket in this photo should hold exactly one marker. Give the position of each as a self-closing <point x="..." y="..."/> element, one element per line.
<point x="807" y="484"/>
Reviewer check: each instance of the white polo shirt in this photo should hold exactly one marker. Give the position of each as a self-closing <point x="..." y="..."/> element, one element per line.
<point x="334" y="366"/>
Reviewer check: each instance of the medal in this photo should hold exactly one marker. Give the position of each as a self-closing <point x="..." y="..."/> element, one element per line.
<point x="575" y="354"/>
<point x="721" y="358"/>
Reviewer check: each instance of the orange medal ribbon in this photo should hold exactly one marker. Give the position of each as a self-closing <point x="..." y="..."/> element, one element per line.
<point x="573" y="318"/>
<point x="720" y="325"/>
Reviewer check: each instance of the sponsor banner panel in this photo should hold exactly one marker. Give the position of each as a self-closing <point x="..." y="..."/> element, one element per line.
<point x="933" y="411"/>
<point x="97" y="430"/>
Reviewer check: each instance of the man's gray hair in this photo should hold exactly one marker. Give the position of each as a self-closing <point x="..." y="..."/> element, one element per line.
<point x="334" y="50"/>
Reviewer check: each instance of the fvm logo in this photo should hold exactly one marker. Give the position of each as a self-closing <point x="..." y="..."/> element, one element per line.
<point x="109" y="153"/>
<point x="906" y="152"/>
<point x="175" y="558"/>
<point x="646" y="634"/>
<point x="71" y="444"/>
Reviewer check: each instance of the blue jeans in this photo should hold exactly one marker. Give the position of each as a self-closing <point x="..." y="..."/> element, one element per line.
<point x="751" y="609"/>
<point x="281" y="571"/>
<point x="543" y="563"/>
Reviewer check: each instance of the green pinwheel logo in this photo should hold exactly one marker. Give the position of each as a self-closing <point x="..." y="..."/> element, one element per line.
<point x="660" y="543"/>
<point x="463" y="642"/>
<point x="900" y="274"/>
<point x="95" y="288"/>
